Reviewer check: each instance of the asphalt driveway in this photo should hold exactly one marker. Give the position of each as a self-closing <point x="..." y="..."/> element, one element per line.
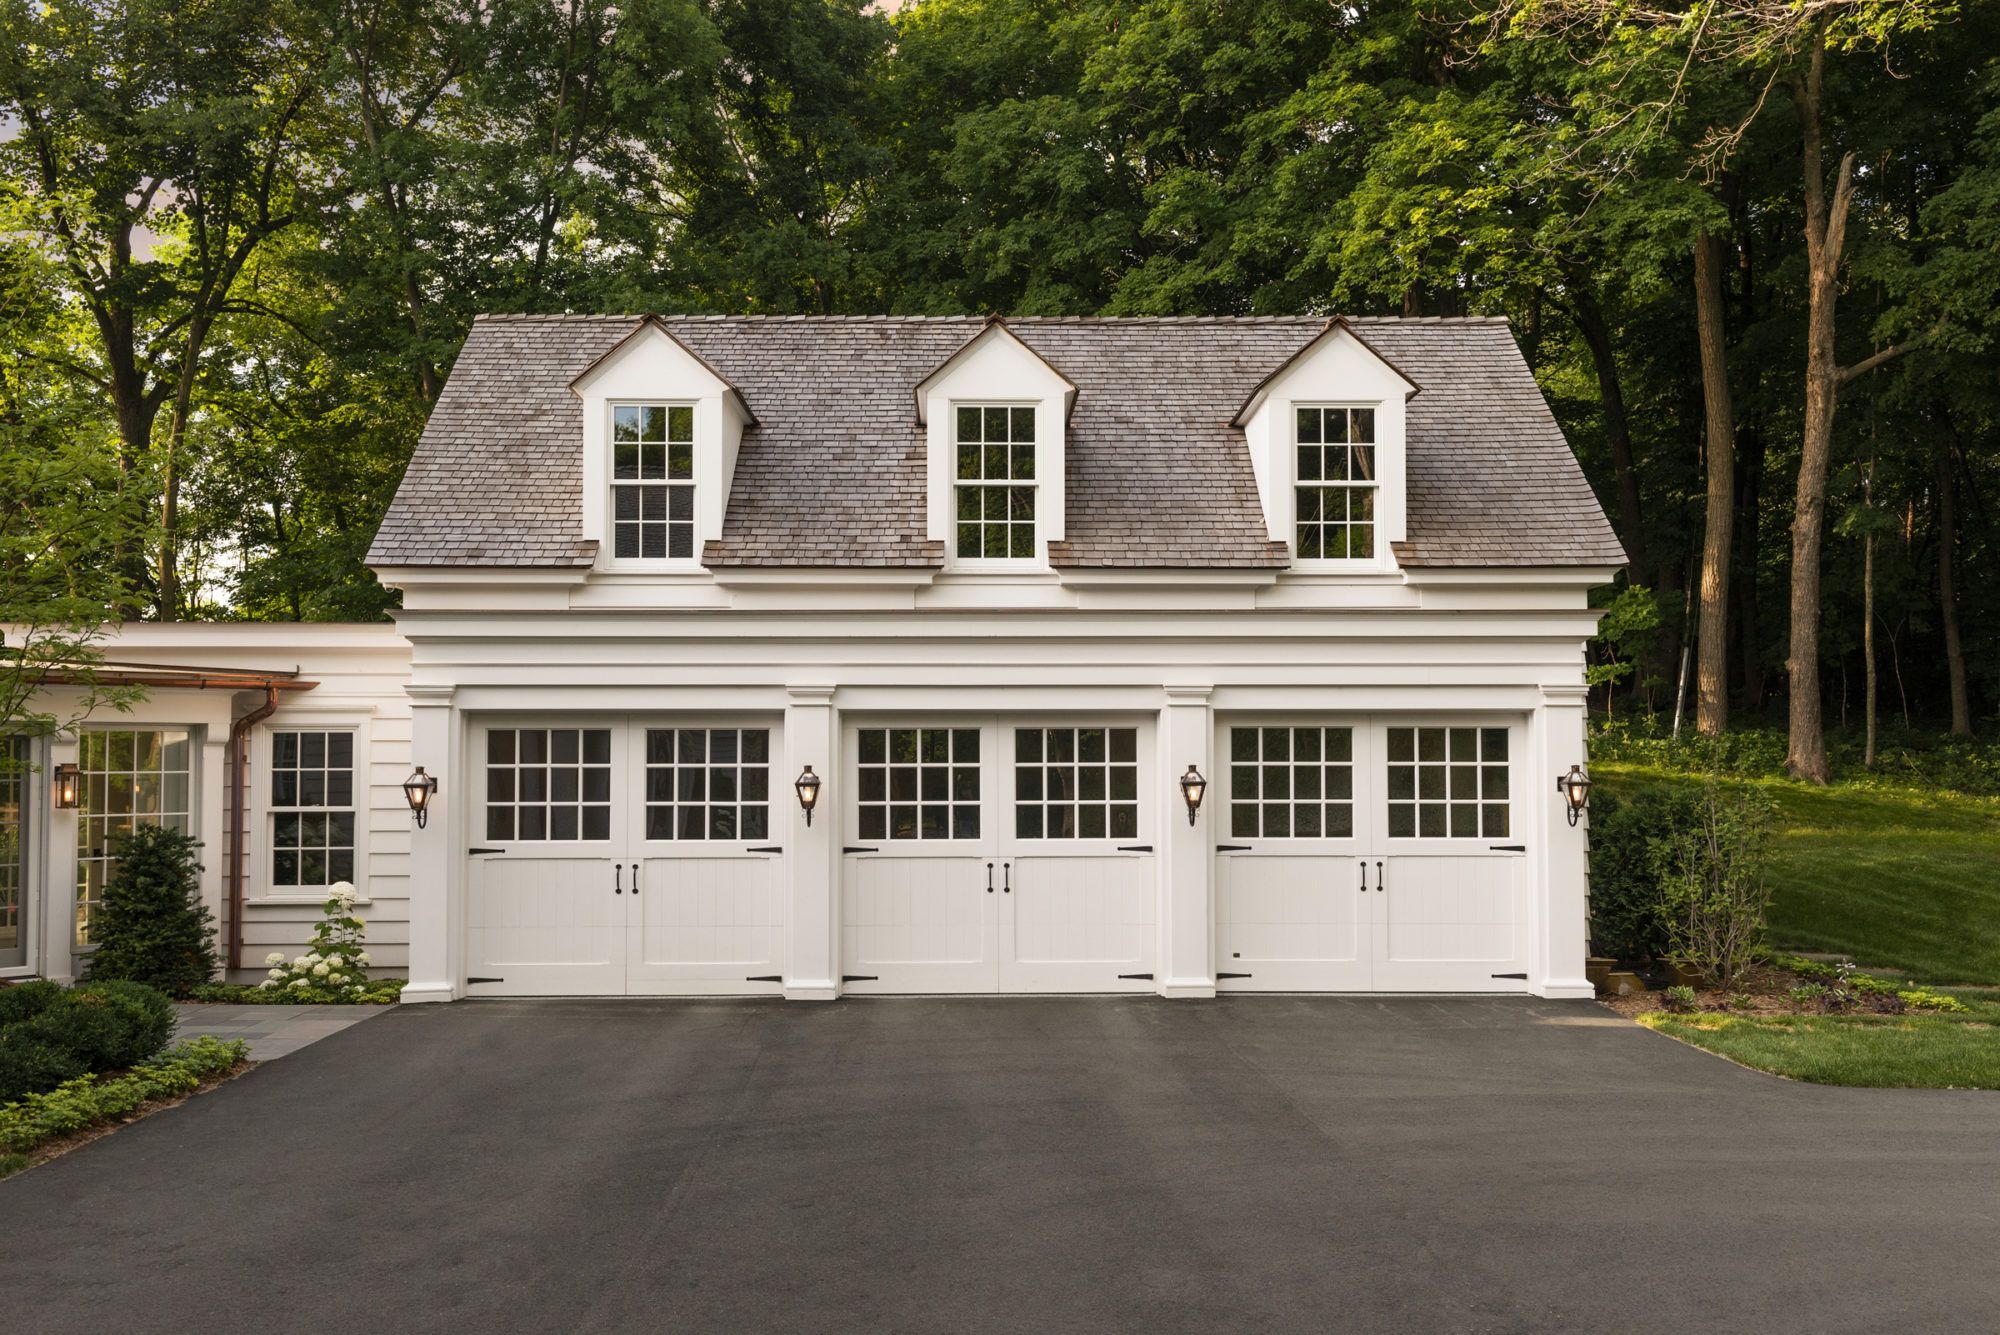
<point x="1015" y="1164"/>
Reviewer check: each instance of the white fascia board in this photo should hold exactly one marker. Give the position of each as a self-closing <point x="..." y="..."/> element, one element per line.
<point x="1589" y="577"/>
<point x="824" y="577"/>
<point x="1084" y="577"/>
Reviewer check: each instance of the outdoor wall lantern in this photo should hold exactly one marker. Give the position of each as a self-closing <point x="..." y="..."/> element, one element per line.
<point x="68" y="784"/>
<point x="1575" y="789"/>
<point x="419" y="789"/>
<point x="807" y="787"/>
<point x="1193" y="789"/>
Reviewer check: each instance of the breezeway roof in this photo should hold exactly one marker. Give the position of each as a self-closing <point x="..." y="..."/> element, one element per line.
<point x="833" y="471"/>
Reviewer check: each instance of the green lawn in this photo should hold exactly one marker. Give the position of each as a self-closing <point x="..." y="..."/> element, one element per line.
<point x="1879" y="1051"/>
<point x="1894" y="878"/>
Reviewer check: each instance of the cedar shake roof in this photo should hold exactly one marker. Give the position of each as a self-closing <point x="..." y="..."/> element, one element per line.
<point x="833" y="471"/>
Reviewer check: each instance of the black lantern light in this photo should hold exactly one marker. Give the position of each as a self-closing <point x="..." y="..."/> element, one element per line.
<point x="1575" y="789"/>
<point x="68" y="785"/>
<point x="807" y="787"/>
<point x="418" y="790"/>
<point x="1193" y="789"/>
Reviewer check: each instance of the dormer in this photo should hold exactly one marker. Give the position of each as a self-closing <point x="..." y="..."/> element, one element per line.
<point x="661" y="428"/>
<point x="995" y="416"/>
<point x="1326" y="434"/>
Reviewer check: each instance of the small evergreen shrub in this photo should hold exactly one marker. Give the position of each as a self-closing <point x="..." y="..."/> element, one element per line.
<point x="24" y="1001"/>
<point x="1712" y="879"/>
<point x="29" y="1065"/>
<point x="1627" y="904"/>
<point x="153" y="927"/>
<point x="146" y="1012"/>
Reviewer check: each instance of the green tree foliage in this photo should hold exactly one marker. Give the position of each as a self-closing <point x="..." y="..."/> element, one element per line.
<point x="249" y="239"/>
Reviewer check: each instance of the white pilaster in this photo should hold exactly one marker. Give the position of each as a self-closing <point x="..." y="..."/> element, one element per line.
<point x="1562" y="924"/>
<point x="437" y="852"/>
<point x="812" y="852"/>
<point x="1187" y="860"/>
<point x="53" y="918"/>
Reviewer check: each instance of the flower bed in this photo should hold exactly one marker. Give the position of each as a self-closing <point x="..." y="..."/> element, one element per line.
<point x="1790" y="985"/>
<point x="332" y="972"/>
<point x="45" y="1121"/>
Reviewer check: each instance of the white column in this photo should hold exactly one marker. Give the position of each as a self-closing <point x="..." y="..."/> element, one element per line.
<point x="437" y="852"/>
<point x="211" y="826"/>
<point x="812" y="852"/>
<point x="1187" y="857"/>
<point x="52" y="863"/>
<point x="1562" y="919"/>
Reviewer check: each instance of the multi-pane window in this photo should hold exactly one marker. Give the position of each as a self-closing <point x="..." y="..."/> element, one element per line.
<point x="1076" y="783"/>
<point x="126" y="778"/>
<point x="548" y="784"/>
<point x="13" y="823"/>
<point x="1336" y="484"/>
<point x="708" y="783"/>
<point x="312" y="809"/>
<point x="1291" y="783"/>
<point x="1448" y="783"/>
<point x="996" y="481"/>
<point x="918" y="783"/>
<point x="652" y="480"/>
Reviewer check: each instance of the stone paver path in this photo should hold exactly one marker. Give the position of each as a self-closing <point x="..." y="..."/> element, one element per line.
<point x="273" y="1031"/>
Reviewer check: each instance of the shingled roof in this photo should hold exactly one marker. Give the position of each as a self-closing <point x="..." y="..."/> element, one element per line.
<point x="832" y="474"/>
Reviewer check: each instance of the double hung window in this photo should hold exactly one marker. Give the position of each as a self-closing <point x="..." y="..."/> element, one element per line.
<point x="312" y="809"/>
<point x="994" y="491"/>
<point x="1337" y="484"/>
<point x="652" y="481"/>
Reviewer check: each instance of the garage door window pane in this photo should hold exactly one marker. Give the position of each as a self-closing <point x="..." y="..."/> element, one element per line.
<point x="1448" y="783"/>
<point x="548" y="784"/>
<point x="1291" y="783"/>
<point x="1076" y="783"/>
<point x="918" y="783"/>
<point x="708" y="783"/>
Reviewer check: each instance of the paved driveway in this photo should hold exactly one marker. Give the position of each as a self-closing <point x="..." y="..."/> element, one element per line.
<point x="1015" y="1164"/>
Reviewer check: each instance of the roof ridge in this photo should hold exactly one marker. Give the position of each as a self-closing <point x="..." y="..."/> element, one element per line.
<point x="710" y="316"/>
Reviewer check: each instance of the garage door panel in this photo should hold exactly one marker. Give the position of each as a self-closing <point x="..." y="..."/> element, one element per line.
<point x="545" y="926"/>
<point x="706" y="924"/>
<point x="1291" y="922"/>
<point x="1451" y="923"/>
<point x="920" y="923"/>
<point x="1081" y="920"/>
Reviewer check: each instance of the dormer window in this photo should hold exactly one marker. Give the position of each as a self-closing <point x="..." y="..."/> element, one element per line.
<point x="1337" y="484"/>
<point x="994" y="497"/>
<point x="652" y="481"/>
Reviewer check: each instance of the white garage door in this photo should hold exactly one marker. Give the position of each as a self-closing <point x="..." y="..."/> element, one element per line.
<point x="1370" y="854"/>
<point x="984" y="855"/>
<point x="623" y="856"/>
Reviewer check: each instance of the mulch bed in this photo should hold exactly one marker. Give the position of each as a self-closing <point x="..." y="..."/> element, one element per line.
<point x="1765" y="990"/>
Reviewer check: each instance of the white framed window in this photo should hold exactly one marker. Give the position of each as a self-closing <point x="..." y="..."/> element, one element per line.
<point x="1336" y="483"/>
<point x="918" y="783"/>
<point x="708" y="783"/>
<point x="310" y="801"/>
<point x="652" y="481"/>
<point x="1448" y="783"/>
<point x="126" y="777"/>
<point x="548" y="785"/>
<point x="1076" y="783"/>
<point x="1291" y="782"/>
<point x="994" y="482"/>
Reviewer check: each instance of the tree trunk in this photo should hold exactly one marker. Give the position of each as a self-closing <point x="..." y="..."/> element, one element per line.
<point x="1826" y="224"/>
<point x="1954" y="650"/>
<point x="1596" y="331"/>
<point x="1719" y="417"/>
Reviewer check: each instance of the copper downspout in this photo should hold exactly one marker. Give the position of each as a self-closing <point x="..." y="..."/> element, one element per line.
<point x="239" y="814"/>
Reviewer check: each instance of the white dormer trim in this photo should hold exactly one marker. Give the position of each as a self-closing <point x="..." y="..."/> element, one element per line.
<point x="651" y="366"/>
<point x="1336" y="369"/>
<point x="995" y="368"/>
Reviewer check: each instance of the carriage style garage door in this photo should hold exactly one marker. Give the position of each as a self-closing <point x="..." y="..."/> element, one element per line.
<point x="623" y="856"/>
<point x="1362" y="854"/>
<point x="984" y="855"/>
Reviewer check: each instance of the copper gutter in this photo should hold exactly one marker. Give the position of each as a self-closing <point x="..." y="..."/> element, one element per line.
<point x="239" y="817"/>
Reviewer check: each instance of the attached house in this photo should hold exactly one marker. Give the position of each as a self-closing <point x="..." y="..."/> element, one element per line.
<point x="815" y="656"/>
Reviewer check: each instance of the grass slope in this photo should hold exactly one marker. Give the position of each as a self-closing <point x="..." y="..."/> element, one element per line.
<point x="1874" y="1051"/>
<point x="1899" y="878"/>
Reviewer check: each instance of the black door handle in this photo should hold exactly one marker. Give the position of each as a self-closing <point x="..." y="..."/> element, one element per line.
<point x="1364" y="878"/>
<point x="635" y="878"/>
<point x="1006" y="878"/>
<point x="989" y="878"/>
<point x="617" y="878"/>
<point x="1380" y="882"/>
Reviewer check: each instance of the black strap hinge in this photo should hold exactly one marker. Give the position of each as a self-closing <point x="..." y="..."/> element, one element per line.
<point x="771" y="848"/>
<point x="852" y="849"/>
<point x="1148" y="977"/>
<point x="1232" y="848"/>
<point x="765" y="978"/>
<point x="471" y="981"/>
<point x="1523" y="977"/>
<point x="1219" y="977"/>
<point x="1507" y="848"/>
<point x="859" y="978"/>
<point x="1135" y="848"/>
<point x="486" y="850"/>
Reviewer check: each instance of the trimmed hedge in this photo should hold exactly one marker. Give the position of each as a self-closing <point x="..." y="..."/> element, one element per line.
<point x="51" y="1034"/>
<point x="80" y="1104"/>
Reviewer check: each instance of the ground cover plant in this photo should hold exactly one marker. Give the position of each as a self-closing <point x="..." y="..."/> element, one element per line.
<point x="38" y="1124"/>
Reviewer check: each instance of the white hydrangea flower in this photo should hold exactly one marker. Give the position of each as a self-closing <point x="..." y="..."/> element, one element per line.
<point x="303" y="962"/>
<point x="319" y="971"/>
<point x="340" y="979"/>
<point x="335" y="960"/>
<point x="268" y="982"/>
<point x="342" y="892"/>
<point x="275" y="958"/>
<point x="299" y="982"/>
<point x="362" y="959"/>
<point x="277" y="973"/>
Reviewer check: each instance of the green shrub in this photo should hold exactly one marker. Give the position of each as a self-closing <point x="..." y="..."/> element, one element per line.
<point x="153" y="927"/>
<point x="1712" y="880"/>
<point x="24" y="1001"/>
<point x="79" y="1104"/>
<point x="1627" y="905"/>
<point x="147" y="1012"/>
<point x="1679" y="998"/>
<point x="1923" y="999"/>
<point x="29" y="1064"/>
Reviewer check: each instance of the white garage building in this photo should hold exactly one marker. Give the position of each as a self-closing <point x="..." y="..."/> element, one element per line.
<point x="1000" y="585"/>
